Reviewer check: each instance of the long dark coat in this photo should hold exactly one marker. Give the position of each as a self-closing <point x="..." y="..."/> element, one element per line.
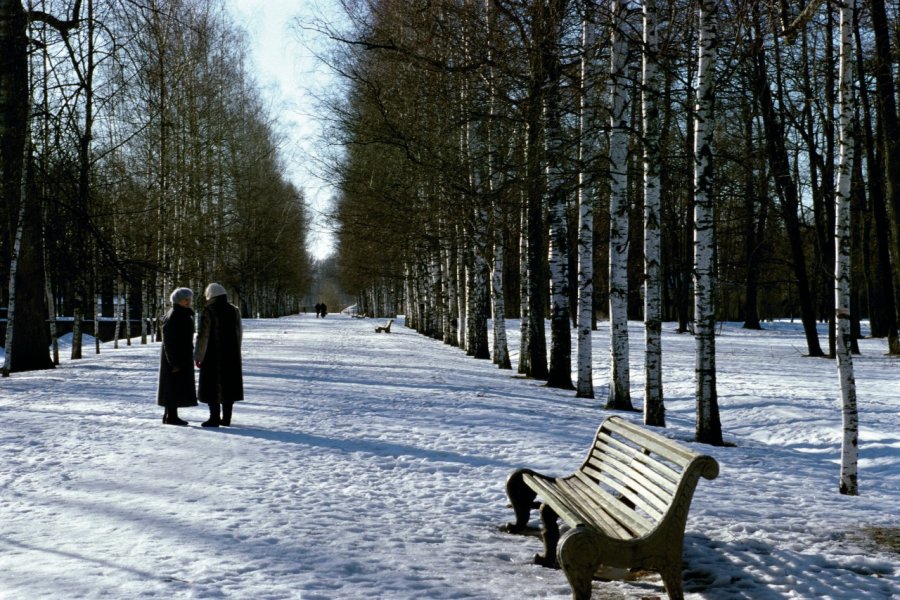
<point x="176" y="366"/>
<point x="219" y="353"/>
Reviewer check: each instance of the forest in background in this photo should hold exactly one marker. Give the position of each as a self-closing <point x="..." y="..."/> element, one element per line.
<point x="138" y="156"/>
<point x="678" y="160"/>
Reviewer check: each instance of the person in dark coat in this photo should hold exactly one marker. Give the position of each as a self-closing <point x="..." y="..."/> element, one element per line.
<point x="176" y="367"/>
<point x="218" y="356"/>
<point x="324" y="310"/>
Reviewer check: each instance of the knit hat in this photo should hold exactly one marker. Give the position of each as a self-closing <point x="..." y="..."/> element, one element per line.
<point x="181" y="294"/>
<point x="213" y="290"/>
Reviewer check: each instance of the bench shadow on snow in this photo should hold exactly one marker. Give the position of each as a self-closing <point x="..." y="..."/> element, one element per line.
<point x="755" y="570"/>
<point x="374" y="447"/>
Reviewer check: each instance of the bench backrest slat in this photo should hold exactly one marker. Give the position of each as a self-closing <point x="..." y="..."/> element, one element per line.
<point x="663" y="476"/>
<point x="635" y="474"/>
<point x="651" y="441"/>
<point x="632" y="484"/>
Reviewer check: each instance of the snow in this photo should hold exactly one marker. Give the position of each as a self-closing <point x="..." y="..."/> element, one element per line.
<point x="373" y="466"/>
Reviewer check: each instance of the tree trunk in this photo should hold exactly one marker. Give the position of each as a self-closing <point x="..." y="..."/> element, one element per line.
<point x="786" y="188"/>
<point x="30" y="348"/>
<point x="709" y="428"/>
<point x="11" y="307"/>
<point x="560" y="372"/>
<point x="850" y="441"/>
<point x="524" y="287"/>
<point x="586" y="190"/>
<point x="620" y="378"/>
<point x="654" y="409"/>
<point x="451" y="336"/>
<point x="755" y="216"/>
<point x="537" y="281"/>
<point x="890" y="135"/>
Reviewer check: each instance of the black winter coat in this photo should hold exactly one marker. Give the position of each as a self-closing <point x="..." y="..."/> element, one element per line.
<point x="176" y="365"/>
<point x="219" y="353"/>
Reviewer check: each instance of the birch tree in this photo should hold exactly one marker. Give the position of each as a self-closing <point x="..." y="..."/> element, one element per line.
<point x="620" y="377"/>
<point x="850" y="421"/>
<point x="560" y="371"/>
<point x="709" y="428"/>
<point x="586" y="190"/>
<point x="654" y="410"/>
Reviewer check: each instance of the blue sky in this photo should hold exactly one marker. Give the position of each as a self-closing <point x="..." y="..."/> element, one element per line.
<point x="291" y="77"/>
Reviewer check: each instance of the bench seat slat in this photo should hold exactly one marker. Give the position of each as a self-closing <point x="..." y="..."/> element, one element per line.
<point x="604" y="520"/>
<point x="575" y="512"/>
<point x="625" y="515"/>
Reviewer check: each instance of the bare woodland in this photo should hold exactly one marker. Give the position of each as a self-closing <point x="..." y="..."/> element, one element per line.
<point x="682" y="161"/>
<point x="137" y="156"/>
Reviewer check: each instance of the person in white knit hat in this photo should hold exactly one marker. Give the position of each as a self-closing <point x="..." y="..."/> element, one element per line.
<point x="218" y="356"/>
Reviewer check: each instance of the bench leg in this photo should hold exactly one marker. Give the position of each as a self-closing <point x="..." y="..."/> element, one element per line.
<point x="550" y="534"/>
<point x="579" y="557"/>
<point x="672" y="579"/>
<point x="522" y="499"/>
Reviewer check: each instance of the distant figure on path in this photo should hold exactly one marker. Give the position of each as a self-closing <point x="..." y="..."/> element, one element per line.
<point x="218" y="356"/>
<point x="318" y="310"/>
<point x="176" y="367"/>
<point x="324" y="310"/>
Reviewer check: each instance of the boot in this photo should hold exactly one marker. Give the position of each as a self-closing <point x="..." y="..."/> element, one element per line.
<point x="171" y="417"/>
<point x="214" y="420"/>
<point x="226" y="413"/>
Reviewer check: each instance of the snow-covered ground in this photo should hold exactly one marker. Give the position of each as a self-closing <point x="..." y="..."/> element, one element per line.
<point x="367" y="466"/>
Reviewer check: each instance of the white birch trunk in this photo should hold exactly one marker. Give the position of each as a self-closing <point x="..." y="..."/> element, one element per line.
<point x="849" y="484"/>
<point x="524" y="357"/>
<point x="117" y="306"/>
<point x="709" y="429"/>
<point x="450" y="334"/>
<point x="584" y="388"/>
<point x="619" y="385"/>
<point x="500" y="350"/>
<point x="51" y="311"/>
<point x="410" y="320"/>
<point x="654" y="410"/>
<point x="560" y="367"/>
<point x="462" y="296"/>
<point x="143" y="312"/>
<point x="127" y="314"/>
<point x="439" y="303"/>
<point x="13" y="270"/>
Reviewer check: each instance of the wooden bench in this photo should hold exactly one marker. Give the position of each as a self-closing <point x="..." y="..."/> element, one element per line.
<point x="385" y="328"/>
<point x="627" y="506"/>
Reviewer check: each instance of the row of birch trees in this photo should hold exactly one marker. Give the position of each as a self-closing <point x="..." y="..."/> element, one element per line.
<point x="138" y="156"/>
<point x="685" y="160"/>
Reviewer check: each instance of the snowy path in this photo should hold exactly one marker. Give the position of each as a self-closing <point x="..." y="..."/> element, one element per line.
<point x="372" y="466"/>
